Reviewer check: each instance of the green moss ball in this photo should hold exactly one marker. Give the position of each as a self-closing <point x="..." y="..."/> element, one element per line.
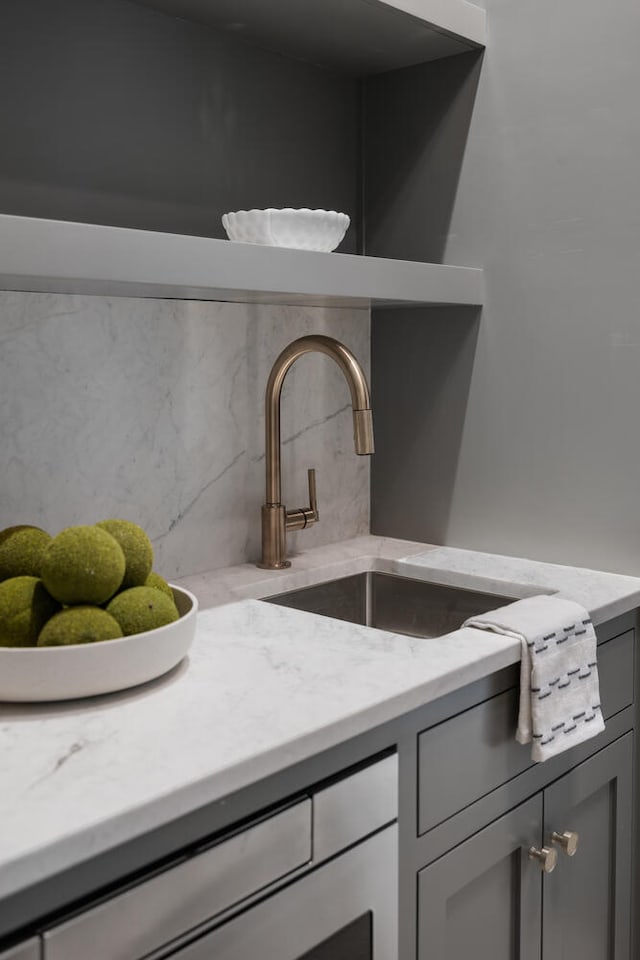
<point x="137" y="549"/>
<point x="83" y="565"/>
<point x="155" y="580"/>
<point x="25" y="607"/>
<point x="79" y="625"/>
<point x="21" y="550"/>
<point x="142" y="608"/>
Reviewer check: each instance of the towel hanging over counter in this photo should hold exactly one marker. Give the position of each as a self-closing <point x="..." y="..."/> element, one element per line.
<point x="559" y="686"/>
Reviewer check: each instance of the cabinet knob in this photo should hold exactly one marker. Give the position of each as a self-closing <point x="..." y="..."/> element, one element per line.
<point x="567" y="841"/>
<point x="547" y="858"/>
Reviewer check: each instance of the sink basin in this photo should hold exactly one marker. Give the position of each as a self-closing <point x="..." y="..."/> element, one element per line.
<point x="398" y="604"/>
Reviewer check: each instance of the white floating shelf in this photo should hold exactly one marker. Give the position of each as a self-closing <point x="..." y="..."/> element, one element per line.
<point x="353" y="36"/>
<point x="54" y="256"/>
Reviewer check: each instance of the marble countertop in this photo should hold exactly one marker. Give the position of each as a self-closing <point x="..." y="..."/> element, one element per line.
<point x="263" y="687"/>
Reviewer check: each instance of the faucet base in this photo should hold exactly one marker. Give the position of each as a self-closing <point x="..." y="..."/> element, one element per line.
<point x="274" y="566"/>
<point x="274" y="543"/>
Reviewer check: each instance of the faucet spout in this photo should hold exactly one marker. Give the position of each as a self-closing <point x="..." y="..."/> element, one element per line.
<point x="363" y="431"/>
<point x="275" y="518"/>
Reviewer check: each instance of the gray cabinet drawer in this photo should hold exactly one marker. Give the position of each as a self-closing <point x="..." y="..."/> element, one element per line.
<point x="464" y="758"/>
<point x="616" y="672"/>
<point x="29" y="950"/>
<point x="349" y="810"/>
<point x="158" y="910"/>
<point x="310" y="919"/>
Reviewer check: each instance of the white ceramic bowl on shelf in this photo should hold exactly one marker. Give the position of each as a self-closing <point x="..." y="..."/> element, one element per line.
<point x="31" y="674"/>
<point x="304" y="229"/>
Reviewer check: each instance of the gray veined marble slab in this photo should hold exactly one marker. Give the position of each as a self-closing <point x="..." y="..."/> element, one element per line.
<point x="309" y="566"/>
<point x="153" y="410"/>
<point x="264" y="687"/>
<point x="605" y="595"/>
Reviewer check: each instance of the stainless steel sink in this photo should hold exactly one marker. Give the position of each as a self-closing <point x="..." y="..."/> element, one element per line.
<point x="394" y="603"/>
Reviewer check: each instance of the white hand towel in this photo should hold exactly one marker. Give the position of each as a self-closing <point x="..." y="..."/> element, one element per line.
<point x="559" y="687"/>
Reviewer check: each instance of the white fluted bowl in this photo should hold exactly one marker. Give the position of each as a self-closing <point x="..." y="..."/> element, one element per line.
<point x="303" y="229"/>
<point x="30" y="674"/>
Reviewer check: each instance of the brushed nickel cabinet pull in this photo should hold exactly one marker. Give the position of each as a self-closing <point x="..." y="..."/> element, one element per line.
<point x="547" y="858"/>
<point x="567" y="841"/>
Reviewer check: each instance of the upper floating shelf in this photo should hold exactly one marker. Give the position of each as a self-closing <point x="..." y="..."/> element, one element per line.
<point x="356" y="37"/>
<point x="54" y="256"/>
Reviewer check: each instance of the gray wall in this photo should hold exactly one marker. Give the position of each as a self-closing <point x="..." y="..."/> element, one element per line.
<point x="543" y="459"/>
<point x="514" y="434"/>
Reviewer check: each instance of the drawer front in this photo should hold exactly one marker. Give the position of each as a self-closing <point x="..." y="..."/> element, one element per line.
<point x="616" y="671"/>
<point x="313" y="918"/>
<point x="352" y="808"/>
<point x="464" y="758"/>
<point x="30" y="950"/>
<point x="148" y="916"/>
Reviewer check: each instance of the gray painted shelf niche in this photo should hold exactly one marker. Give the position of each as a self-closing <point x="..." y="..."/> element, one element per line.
<point x="355" y="37"/>
<point x="62" y="257"/>
<point x="358" y="39"/>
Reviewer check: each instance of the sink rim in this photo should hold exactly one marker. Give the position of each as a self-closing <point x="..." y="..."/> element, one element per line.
<point x="446" y="618"/>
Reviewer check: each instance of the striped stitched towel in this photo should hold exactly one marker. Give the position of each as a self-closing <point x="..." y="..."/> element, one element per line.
<point x="559" y="687"/>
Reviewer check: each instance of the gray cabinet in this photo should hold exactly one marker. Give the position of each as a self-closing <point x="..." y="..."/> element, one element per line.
<point x="486" y="898"/>
<point x="484" y="739"/>
<point x="470" y="806"/>
<point x="29" y="950"/>
<point x="483" y="899"/>
<point x="345" y="909"/>
<point x="586" y="900"/>
<point x="256" y="893"/>
<point x="144" y="918"/>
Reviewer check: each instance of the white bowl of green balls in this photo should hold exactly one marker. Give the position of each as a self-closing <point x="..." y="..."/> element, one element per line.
<point x="84" y="613"/>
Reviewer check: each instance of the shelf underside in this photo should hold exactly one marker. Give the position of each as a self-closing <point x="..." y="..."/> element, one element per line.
<point x="357" y="37"/>
<point x="53" y="256"/>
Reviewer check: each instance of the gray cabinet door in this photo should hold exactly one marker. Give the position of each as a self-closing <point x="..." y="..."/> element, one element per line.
<point x="483" y="898"/>
<point x="29" y="950"/>
<point x="586" y="901"/>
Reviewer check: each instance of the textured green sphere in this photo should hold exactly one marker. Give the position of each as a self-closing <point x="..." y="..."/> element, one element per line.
<point x="79" y="625"/>
<point x="142" y="608"/>
<point x="155" y="580"/>
<point x="137" y="549"/>
<point x="83" y="565"/>
<point x="25" y="607"/>
<point x="21" y="550"/>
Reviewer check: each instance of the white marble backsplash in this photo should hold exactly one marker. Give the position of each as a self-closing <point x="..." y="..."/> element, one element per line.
<point x="153" y="410"/>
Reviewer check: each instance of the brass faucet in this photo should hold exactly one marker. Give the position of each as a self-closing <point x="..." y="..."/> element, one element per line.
<point x="276" y="519"/>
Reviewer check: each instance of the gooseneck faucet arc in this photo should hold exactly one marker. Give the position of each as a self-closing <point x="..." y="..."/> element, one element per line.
<point x="276" y="519"/>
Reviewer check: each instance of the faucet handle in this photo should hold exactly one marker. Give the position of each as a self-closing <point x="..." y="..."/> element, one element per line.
<point x="305" y="516"/>
<point x="313" y="500"/>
